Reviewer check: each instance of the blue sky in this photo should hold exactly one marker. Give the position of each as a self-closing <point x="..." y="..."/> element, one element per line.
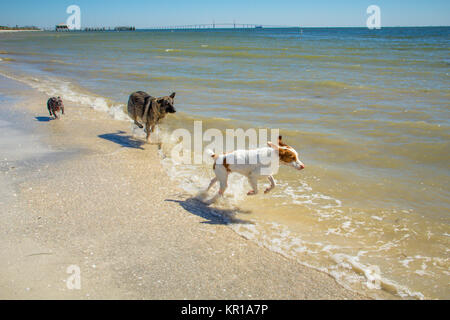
<point x="149" y="13"/>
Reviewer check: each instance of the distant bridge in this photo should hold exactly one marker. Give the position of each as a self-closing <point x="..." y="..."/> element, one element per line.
<point x="214" y="25"/>
<point x="206" y="26"/>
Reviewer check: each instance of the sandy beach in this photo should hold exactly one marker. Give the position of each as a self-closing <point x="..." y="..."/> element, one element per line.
<point x="81" y="191"/>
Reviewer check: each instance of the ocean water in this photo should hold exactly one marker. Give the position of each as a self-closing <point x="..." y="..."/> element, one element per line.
<point x="367" y="110"/>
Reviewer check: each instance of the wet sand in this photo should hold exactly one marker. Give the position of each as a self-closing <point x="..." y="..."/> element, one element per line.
<point x="91" y="195"/>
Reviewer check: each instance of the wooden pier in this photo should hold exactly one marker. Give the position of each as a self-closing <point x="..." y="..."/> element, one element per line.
<point x="65" y="28"/>
<point x="206" y="26"/>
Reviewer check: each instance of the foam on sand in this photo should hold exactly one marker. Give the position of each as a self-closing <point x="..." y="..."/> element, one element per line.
<point x="70" y="92"/>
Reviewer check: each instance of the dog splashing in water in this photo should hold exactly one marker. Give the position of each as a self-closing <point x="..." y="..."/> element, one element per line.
<point x="239" y="161"/>
<point x="148" y="111"/>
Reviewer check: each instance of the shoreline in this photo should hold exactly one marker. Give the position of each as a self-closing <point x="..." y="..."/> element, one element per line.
<point x="7" y="31"/>
<point x="98" y="206"/>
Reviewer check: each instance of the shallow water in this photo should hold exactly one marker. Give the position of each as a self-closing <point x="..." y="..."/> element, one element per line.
<point x="368" y="112"/>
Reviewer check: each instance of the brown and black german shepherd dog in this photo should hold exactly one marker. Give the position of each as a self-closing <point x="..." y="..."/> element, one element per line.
<point x="54" y="105"/>
<point x="148" y="111"/>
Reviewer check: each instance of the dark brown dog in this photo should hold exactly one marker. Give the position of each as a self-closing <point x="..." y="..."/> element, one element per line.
<point x="54" y="105"/>
<point x="146" y="110"/>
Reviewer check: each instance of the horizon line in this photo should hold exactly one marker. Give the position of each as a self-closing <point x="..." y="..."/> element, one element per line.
<point x="181" y="27"/>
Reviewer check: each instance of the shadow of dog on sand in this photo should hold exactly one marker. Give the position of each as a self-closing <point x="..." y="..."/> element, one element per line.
<point x="43" y="119"/>
<point x="121" y="138"/>
<point x="212" y="215"/>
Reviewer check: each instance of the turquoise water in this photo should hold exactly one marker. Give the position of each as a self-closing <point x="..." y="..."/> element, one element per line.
<point x="368" y="110"/>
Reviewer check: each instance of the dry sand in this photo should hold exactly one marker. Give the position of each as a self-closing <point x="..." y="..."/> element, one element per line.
<point x="100" y="199"/>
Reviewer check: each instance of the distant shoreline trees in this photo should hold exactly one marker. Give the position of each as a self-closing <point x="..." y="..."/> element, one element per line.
<point x="19" y="28"/>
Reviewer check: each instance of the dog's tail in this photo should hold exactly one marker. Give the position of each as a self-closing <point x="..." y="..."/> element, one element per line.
<point x="212" y="154"/>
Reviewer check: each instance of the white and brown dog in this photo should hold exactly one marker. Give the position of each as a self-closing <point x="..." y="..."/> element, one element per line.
<point x="253" y="164"/>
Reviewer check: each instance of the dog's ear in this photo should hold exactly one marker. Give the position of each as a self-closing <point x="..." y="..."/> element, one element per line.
<point x="281" y="143"/>
<point x="273" y="146"/>
<point x="173" y="95"/>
